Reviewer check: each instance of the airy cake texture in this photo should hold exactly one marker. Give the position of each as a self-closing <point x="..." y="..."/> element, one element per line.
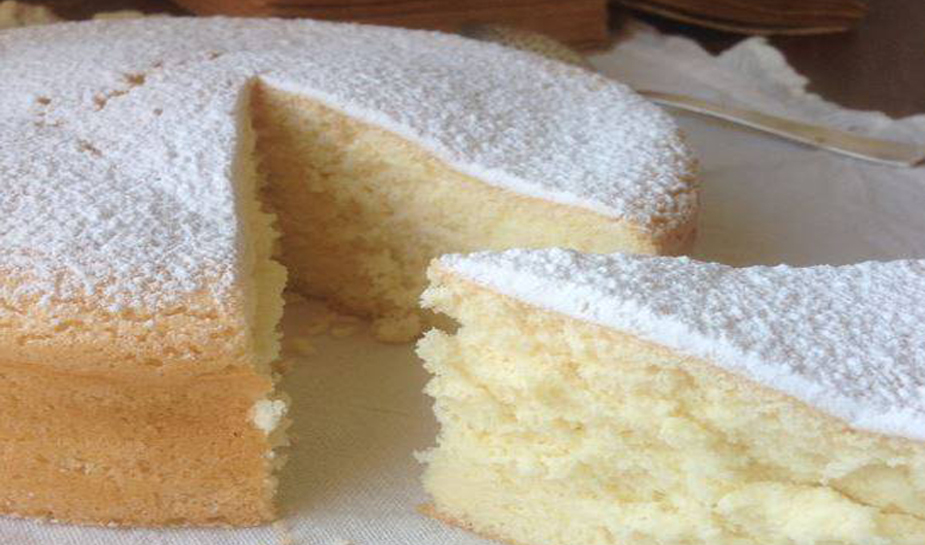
<point x="581" y="412"/>
<point x="145" y="180"/>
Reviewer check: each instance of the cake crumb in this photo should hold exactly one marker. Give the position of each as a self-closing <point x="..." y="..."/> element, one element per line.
<point x="397" y="328"/>
<point x="342" y="331"/>
<point x="333" y="324"/>
<point x="346" y="319"/>
<point x="294" y="297"/>
<point x="281" y="366"/>
<point x="285" y="535"/>
<point x="303" y="346"/>
<point x="318" y="327"/>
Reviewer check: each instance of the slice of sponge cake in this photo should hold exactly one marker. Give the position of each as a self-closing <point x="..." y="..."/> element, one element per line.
<point x="624" y="399"/>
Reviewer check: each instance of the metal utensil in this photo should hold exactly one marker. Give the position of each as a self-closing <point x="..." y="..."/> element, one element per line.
<point x="838" y="141"/>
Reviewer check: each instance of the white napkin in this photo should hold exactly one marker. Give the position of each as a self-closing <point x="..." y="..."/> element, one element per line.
<point x="766" y="201"/>
<point x="358" y="408"/>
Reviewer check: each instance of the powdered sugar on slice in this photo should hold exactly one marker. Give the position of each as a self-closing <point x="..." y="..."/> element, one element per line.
<point x="118" y="139"/>
<point x="848" y="340"/>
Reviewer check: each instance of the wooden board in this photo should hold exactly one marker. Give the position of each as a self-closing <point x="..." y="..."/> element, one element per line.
<point x="759" y="17"/>
<point x="579" y="23"/>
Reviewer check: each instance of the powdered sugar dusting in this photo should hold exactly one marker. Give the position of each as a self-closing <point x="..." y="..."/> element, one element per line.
<point x="848" y="340"/>
<point x="118" y="139"/>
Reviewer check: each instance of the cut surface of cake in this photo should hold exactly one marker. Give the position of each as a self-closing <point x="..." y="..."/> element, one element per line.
<point x="151" y="168"/>
<point x="614" y="399"/>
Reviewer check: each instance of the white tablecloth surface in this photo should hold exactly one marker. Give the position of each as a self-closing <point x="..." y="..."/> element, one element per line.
<point x="358" y="405"/>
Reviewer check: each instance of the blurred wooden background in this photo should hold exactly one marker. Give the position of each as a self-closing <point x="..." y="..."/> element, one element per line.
<point x="879" y="65"/>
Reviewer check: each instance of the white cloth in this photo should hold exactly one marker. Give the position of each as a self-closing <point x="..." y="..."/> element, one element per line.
<point x="766" y="201"/>
<point x="358" y="408"/>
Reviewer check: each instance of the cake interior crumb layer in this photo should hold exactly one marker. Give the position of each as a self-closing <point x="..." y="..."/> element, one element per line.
<point x="557" y="431"/>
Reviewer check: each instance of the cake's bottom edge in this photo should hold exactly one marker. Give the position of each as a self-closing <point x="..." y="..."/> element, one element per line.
<point x="430" y="510"/>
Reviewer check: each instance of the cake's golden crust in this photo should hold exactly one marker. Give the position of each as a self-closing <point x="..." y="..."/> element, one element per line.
<point x="101" y="450"/>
